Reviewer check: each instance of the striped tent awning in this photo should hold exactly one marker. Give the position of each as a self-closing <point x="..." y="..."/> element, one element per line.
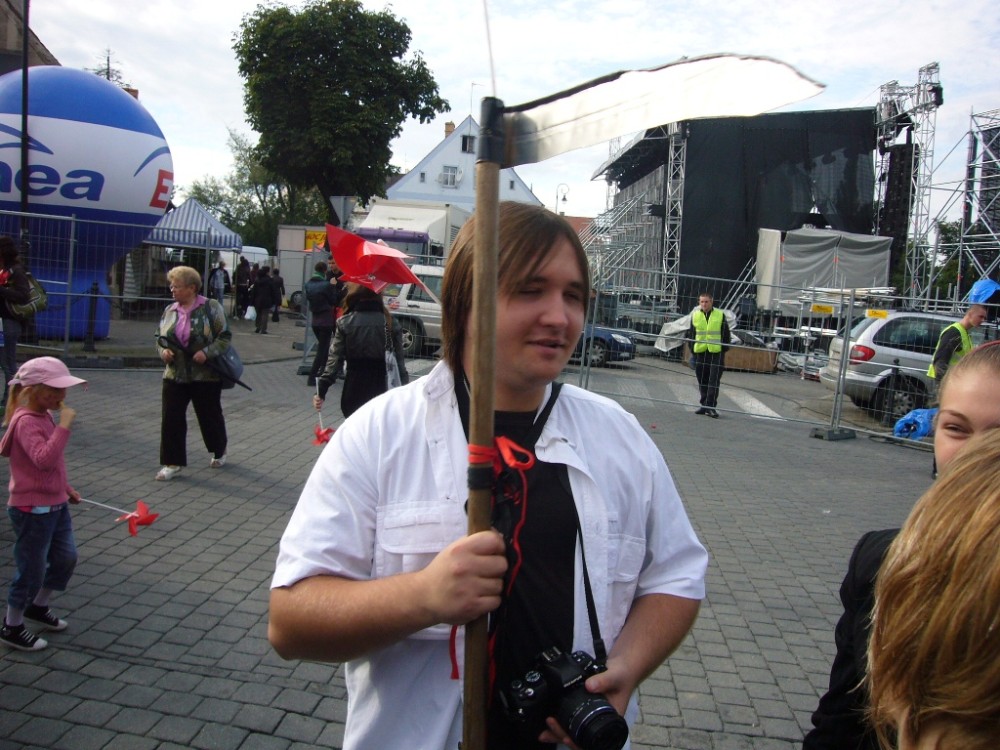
<point x="191" y="225"/>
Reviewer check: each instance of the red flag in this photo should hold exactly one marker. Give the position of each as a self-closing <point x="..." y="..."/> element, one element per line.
<point x="368" y="263"/>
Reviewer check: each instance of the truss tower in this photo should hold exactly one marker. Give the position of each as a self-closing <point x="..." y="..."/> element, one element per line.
<point x="910" y="111"/>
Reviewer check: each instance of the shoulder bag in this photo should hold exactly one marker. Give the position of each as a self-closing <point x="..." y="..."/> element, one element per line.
<point x="230" y="367"/>
<point x="38" y="300"/>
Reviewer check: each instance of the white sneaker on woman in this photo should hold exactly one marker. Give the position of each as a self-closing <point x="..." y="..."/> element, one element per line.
<point x="218" y="463"/>
<point x="167" y="472"/>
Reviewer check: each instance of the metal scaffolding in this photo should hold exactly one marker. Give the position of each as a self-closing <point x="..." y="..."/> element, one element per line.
<point x="911" y="111"/>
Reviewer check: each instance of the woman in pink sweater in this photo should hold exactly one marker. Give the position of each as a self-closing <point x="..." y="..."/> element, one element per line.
<point x="44" y="548"/>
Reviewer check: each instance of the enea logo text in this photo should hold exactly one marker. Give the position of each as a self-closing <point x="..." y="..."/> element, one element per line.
<point x="76" y="184"/>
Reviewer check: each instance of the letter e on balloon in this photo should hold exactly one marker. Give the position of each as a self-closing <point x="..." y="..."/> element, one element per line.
<point x="164" y="184"/>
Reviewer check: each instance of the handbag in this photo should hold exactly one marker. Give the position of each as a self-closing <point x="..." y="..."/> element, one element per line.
<point x="392" y="376"/>
<point x="229" y="366"/>
<point x="38" y="300"/>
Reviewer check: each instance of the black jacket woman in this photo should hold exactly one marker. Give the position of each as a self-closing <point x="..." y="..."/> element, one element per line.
<point x="14" y="288"/>
<point x="363" y="336"/>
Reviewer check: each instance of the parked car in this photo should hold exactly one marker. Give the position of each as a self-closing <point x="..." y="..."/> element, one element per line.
<point x="606" y="345"/>
<point x="642" y="313"/>
<point x="888" y="359"/>
<point x="417" y="311"/>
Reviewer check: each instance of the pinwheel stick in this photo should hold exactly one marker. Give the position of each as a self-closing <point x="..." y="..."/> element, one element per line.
<point x="102" y="505"/>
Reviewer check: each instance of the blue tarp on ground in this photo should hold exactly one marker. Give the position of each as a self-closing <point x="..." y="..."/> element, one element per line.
<point x="191" y="225"/>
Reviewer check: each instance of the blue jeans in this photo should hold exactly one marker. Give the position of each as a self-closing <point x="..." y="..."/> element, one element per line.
<point x="44" y="553"/>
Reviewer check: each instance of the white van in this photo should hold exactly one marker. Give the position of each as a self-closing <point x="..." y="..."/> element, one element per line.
<point x="251" y="253"/>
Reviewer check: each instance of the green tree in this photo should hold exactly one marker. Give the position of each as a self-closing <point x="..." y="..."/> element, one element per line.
<point x="328" y="89"/>
<point x="109" y="70"/>
<point x="253" y="201"/>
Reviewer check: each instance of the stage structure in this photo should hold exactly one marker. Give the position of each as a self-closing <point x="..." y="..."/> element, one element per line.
<point x="980" y="239"/>
<point x="698" y="191"/>
<point x="906" y="119"/>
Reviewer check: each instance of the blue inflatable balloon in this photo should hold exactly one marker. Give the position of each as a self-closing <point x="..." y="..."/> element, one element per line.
<point x="94" y="154"/>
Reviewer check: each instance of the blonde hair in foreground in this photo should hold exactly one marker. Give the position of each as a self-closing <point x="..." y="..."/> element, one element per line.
<point x="934" y="654"/>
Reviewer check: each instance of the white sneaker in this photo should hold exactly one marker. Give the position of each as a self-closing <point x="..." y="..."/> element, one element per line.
<point x="218" y="463"/>
<point x="167" y="472"/>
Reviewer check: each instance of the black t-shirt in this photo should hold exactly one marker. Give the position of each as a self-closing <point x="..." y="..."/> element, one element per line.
<point x="538" y="613"/>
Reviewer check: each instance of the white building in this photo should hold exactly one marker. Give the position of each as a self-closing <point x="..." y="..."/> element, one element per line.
<point x="447" y="175"/>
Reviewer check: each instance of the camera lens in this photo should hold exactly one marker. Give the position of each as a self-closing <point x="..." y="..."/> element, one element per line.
<point x="594" y="724"/>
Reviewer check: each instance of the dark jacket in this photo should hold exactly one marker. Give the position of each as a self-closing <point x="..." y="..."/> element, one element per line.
<point x="16" y="290"/>
<point x="324" y="298"/>
<point x="263" y="295"/>
<point x="839" y="720"/>
<point x="360" y="340"/>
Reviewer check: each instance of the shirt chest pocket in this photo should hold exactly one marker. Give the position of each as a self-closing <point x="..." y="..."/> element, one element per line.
<point x="409" y="535"/>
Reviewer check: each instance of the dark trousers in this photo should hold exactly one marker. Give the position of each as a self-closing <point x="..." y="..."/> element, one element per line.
<point x="323" y="335"/>
<point x="261" y="322"/>
<point x="207" y="399"/>
<point x="708" y="370"/>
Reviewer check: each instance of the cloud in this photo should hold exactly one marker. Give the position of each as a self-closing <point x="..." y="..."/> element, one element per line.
<point x="179" y="54"/>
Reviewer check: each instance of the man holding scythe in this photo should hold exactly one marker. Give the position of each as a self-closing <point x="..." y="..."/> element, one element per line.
<point x="376" y="569"/>
<point x="586" y="556"/>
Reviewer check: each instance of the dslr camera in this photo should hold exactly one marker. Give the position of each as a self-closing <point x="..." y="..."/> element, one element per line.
<point x="554" y="687"/>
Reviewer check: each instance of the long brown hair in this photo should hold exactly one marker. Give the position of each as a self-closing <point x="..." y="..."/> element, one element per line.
<point x="933" y="665"/>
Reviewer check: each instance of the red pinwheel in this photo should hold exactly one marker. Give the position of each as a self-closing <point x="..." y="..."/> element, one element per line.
<point x="369" y="263"/>
<point x="322" y="435"/>
<point x="136" y="518"/>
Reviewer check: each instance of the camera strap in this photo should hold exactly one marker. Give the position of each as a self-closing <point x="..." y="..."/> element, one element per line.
<point x="600" y="651"/>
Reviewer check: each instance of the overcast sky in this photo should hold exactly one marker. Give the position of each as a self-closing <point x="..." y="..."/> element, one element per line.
<point x="178" y="53"/>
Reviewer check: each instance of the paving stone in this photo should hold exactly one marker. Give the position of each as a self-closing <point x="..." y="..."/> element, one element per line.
<point x="169" y="629"/>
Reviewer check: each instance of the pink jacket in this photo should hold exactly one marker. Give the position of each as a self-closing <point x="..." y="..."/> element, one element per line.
<point x="35" y="447"/>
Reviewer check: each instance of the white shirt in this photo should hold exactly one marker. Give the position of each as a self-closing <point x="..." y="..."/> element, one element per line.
<point x="388" y="493"/>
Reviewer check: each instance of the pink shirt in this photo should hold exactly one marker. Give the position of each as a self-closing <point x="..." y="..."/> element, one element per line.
<point x="36" y="449"/>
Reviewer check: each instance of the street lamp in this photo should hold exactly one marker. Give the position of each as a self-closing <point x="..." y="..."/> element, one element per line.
<point x="561" y="190"/>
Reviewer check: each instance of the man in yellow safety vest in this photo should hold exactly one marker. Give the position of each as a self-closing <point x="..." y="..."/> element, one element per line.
<point x="710" y="337"/>
<point x="955" y="342"/>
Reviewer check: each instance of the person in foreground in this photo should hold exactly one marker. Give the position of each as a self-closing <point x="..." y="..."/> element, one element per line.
<point x="44" y="548"/>
<point x="934" y="654"/>
<point x="376" y="569"/>
<point x="969" y="405"/>
<point x="192" y="331"/>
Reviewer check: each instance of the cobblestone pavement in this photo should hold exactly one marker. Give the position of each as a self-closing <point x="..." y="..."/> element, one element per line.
<point x="167" y="643"/>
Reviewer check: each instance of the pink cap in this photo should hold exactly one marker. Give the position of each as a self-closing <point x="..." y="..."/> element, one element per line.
<point x="45" y="371"/>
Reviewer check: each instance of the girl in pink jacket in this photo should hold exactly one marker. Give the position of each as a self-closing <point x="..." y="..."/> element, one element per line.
<point x="44" y="548"/>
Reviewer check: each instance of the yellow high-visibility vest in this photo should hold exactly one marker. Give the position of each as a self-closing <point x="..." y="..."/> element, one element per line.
<point x="959" y="352"/>
<point x="707" y="332"/>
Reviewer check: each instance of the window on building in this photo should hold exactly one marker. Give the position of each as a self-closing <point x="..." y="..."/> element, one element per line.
<point x="469" y="144"/>
<point x="450" y="176"/>
<point x="423" y="177"/>
<point x="511" y="187"/>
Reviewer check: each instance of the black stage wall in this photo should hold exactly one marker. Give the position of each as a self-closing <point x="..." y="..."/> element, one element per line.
<point x="743" y="173"/>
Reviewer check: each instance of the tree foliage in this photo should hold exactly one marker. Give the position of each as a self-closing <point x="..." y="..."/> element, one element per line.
<point x="253" y="201"/>
<point x="109" y="70"/>
<point x="328" y="89"/>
